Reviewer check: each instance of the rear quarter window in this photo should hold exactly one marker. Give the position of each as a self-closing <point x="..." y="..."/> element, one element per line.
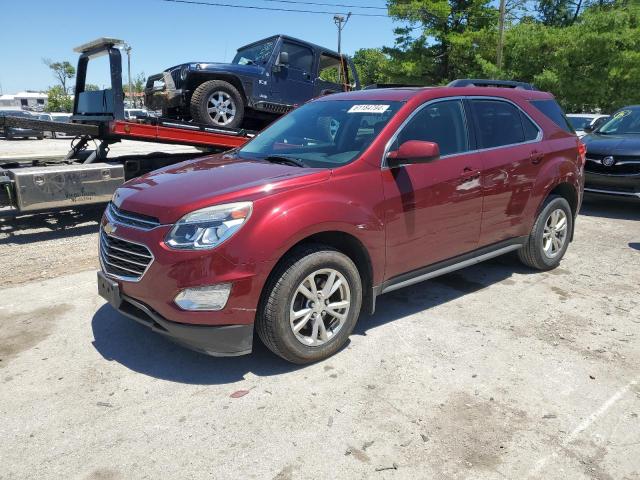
<point x="552" y="110"/>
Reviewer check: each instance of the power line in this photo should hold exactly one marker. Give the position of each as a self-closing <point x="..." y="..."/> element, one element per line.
<point x="273" y="9"/>
<point x="328" y="4"/>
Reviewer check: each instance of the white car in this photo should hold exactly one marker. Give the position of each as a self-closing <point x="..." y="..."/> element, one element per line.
<point x="135" y="114"/>
<point x="55" y="117"/>
<point x="581" y="120"/>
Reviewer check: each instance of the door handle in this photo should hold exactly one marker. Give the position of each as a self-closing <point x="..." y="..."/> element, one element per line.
<point x="536" y="157"/>
<point x="469" y="174"/>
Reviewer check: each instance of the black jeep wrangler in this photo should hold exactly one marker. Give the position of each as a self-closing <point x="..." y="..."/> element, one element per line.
<point x="265" y="79"/>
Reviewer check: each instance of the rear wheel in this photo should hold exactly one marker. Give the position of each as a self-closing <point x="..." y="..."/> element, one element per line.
<point x="217" y="103"/>
<point x="311" y="305"/>
<point x="550" y="235"/>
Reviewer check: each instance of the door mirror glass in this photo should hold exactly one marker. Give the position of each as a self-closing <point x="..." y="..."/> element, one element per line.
<point x="413" y="151"/>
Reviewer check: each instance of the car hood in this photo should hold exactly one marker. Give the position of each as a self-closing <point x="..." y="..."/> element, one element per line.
<point x="171" y="192"/>
<point x="222" y="67"/>
<point x="598" y="144"/>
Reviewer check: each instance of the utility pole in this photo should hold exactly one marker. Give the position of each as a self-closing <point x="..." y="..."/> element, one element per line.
<point x="340" y="22"/>
<point x="500" y="34"/>
<point x="127" y="48"/>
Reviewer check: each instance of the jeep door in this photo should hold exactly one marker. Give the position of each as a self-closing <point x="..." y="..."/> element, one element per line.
<point x="512" y="152"/>
<point x="433" y="210"/>
<point x="293" y="83"/>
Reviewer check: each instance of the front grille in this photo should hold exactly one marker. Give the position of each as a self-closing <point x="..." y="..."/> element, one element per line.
<point x="624" y="165"/>
<point x="123" y="259"/>
<point x="175" y="76"/>
<point x="130" y="219"/>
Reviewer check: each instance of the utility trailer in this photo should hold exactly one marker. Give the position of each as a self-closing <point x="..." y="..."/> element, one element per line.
<point x="88" y="175"/>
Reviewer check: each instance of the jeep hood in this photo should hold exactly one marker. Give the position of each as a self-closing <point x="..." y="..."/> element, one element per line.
<point x="171" y="192"/>
<point x="212" y="67"/>
<point x="598" y="144"/>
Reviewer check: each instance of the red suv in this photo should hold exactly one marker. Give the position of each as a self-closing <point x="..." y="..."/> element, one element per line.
<point x="347" y="197"/>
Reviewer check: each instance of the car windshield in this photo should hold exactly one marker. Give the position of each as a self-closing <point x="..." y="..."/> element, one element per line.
<point x="323" y="134"/>
<point x="578" y="123"/>
<point x="60" y="118"/>
<point x="623" y="122"/>
<point x="254" y="54"/>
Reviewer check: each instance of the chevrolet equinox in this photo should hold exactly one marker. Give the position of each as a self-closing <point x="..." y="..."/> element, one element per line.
<point x="350" y="196"/>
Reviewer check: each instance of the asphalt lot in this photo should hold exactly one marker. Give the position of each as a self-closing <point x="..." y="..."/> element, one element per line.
<point x="492" y="372"/>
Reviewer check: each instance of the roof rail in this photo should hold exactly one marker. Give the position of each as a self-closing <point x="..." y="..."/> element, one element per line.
<point x="477" y="82"/>
<point x="389" y="85"/>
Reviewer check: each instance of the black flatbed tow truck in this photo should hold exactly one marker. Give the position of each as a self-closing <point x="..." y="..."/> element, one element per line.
<point x="86" y="176"/>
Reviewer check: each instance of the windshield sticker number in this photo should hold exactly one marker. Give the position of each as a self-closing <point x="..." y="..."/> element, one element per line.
<point x="622" y="114"/>
<point x="368" y="109"/>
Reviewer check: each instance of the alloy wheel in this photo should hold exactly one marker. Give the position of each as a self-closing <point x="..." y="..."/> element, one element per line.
<point x="221" y="108"/>
<point x="319" y="307"/>
<point x="555" y="232"/>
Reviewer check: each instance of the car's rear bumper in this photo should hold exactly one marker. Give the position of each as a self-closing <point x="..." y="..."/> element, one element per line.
<point x="617" y="185"/>
<point x="219" y="340"/>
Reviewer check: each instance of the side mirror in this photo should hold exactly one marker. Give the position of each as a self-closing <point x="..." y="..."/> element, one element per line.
<point x="413" y="151"/>
<point x="588" y="128"/>
<point x="283" y="58"/>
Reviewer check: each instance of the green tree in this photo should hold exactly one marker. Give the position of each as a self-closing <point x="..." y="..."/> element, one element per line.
<point x="372" y="65"/>
<point x="58" y="100"/>
<point x="62" y="71"/>
<point x="91" y="87"/>
<point x="433" y="28"/>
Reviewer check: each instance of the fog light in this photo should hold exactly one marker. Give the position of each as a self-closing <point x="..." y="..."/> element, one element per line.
<point x="211" y="297"/>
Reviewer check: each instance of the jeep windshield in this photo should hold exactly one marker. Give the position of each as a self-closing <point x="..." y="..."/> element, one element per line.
<point x="254" y="54"/>
<point x="623" y="122"/>
<point x="323" y="134"/>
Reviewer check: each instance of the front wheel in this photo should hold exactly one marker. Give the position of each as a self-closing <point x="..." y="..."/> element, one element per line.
<point x="311" y="305"/>
<point x="550" y="235"/>
<point x="217" y="103"/>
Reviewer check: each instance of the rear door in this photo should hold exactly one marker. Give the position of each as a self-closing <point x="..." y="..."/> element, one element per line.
<point x="512" y="153"/>
<point x="293" y="83"/>
<point x="433" y="210"/>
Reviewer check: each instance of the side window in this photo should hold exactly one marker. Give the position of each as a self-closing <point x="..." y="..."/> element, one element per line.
<point x="552" y="110"/>
<point x="441" y="122"/>
<point x="300" y="58"/>
<point x="530" y="130"/>
<point x="499" y="123"/>
<point x="329" y="68"/>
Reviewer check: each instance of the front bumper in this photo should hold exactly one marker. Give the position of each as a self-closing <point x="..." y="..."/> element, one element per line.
<point x="617" y="185"/>
<point x="168" y="97"/>
<point x="218" y="341"/>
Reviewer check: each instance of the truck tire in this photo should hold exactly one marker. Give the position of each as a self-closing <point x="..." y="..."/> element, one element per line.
<point x="217" y="103"/>
<point x="303" y="323"/>
<point x="550" y="235"/>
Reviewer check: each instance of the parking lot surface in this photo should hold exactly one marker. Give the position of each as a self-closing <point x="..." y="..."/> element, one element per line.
<point x="491" y="372"/>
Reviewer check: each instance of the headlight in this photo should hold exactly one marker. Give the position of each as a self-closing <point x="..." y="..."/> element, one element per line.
<point x="208" y="227"/>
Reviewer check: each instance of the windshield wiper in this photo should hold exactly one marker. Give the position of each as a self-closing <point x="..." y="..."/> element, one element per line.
<point x="284" y="160"/>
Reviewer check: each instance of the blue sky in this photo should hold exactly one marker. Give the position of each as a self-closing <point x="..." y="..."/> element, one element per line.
<point x="161" y="34"/>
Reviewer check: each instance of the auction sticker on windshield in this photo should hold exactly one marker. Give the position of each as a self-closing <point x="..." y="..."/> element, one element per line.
<point x="368" y="109"/>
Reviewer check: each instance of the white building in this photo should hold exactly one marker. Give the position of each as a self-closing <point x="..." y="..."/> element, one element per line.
<point x="28" y="100"/>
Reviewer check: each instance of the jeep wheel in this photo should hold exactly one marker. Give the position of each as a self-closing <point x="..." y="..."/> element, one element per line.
<point x="217" y="103"/>
<point x="550" y="235"/>
<point x="310" y="305"/>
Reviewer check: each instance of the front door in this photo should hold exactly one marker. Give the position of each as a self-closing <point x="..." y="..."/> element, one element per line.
<point x="293" y="83"/>
<point x="433" y="210"/>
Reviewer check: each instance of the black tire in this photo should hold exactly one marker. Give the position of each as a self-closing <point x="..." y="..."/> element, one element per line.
<point x="200" y="98"/>
<point x="532" y="253"/>
<point x="272" y="322"/>
<point x="40" y="137"/>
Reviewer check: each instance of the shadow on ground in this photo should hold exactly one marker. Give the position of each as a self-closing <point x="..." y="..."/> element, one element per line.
<point x="611" y="207"/>
<point x="49" y="226"/>
<point x="136" y="347"/>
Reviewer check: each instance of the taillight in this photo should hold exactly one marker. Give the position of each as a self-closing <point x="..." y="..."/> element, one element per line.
<point x="582" y="153"/>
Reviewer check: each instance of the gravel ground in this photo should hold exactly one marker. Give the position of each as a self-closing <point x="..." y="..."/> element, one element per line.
<point x="492" y="372"/>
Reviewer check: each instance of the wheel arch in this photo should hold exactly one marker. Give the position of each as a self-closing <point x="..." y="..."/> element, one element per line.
<point x="198" y="78"/>
<point x="345" y="243"/>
